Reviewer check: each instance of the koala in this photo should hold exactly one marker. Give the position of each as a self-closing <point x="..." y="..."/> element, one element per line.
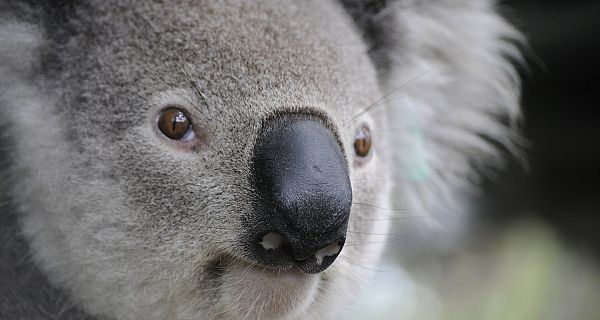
<point x="236" y="159"/>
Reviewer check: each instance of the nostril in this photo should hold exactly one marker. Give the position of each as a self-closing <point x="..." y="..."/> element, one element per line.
<point x="272" y="241"/>
<point x="327" y="251"/>
<point x="308" y="254"/>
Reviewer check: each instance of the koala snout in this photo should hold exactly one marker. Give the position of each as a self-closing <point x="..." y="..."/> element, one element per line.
<point x="303" y="192"/>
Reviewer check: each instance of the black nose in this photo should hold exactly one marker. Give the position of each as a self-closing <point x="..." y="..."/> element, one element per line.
<point x="303" y="195"/>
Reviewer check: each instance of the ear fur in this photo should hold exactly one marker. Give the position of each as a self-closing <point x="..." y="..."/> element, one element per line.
<point x="20" y="44"/>
<point x="452" y="99"/>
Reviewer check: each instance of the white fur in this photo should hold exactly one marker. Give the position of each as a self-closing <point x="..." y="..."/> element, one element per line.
<point x="453" y="85"/>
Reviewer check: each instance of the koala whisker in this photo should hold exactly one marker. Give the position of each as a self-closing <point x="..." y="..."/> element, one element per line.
<point x="376" y="234"/>
<point x="357" y="180"/>
<point x="353" y="263"/>
<point x="368" y="258"/>
<point x="190" y="80"/>
<point x="177" y="91"/>
<point x="180" y="68"/>
<point x="393" y="239"/>
<point x="248" y="268"/>
<point x="347" y="266"/>
<point x="398" y="213"/>
<point x="252" y="307"/>
<point x="234" y="304"/>
<point x="209" y="290"/>
<point x="384" y="98"/>
<point x="378" y="207"/>
<point x="394" y="218"/>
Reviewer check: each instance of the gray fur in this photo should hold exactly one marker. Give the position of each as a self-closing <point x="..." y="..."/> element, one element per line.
<point x="118" y="222"/>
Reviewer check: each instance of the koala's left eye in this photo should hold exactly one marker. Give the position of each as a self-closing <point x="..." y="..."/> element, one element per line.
<point x="362" y="142"/>
<point x="175" y="124"/>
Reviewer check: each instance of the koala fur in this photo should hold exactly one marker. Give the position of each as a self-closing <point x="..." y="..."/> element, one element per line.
<point x="102" y="218"/>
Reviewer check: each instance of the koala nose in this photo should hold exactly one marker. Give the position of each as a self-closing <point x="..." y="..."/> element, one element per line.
<point x="304" y="194"/>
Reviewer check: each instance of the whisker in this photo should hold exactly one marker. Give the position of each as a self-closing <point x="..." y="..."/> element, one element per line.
<point x="353" y="263"/>
<point x="393" y="239"/>
<point x="395" y="218"/>
<point x="376" y="234"/>
<point x="378" y="207"/>
<point x="189" y="79"/>
<point x="381" y="100"/>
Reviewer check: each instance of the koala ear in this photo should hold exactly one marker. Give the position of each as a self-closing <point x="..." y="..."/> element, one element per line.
<point x="451" y="92"/>
<point x="19" y="56"/>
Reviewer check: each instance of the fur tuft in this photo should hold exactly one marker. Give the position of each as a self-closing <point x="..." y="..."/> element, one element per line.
<point x="453" y="97"/>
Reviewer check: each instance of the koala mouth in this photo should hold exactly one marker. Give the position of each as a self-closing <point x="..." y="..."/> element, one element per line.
<point x="222" y="264"/>
<point x="276" y="292"/>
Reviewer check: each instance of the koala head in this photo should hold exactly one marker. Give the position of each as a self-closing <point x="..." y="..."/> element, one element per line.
<point x="234" y="159"/>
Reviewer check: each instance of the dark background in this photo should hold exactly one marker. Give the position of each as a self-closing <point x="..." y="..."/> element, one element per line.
<point x="562" y="122"/>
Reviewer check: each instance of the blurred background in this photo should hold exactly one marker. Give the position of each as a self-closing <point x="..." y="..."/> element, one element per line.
<point x="536" y="252"/>
<point x="562" y="120"/>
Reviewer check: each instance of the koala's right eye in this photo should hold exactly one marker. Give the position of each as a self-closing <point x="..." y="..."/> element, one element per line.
<point x="175" y="124"/>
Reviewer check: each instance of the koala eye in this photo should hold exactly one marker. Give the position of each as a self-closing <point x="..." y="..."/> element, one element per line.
<point x="362" y="141"/>
<point x="175" y="124"/>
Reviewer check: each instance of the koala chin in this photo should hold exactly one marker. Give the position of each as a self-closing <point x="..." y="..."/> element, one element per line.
<point x="235" y="159"/>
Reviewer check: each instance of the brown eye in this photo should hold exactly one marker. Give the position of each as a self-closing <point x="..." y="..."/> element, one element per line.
<point x="362" y="142"/>
<point x="175" y="124"/>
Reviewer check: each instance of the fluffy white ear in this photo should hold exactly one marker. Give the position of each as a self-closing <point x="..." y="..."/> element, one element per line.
<point x="453" y="96"/>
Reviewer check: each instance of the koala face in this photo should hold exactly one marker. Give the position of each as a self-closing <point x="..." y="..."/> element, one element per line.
<point x="237" y="159"/>
<point x="206" y="160"/>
